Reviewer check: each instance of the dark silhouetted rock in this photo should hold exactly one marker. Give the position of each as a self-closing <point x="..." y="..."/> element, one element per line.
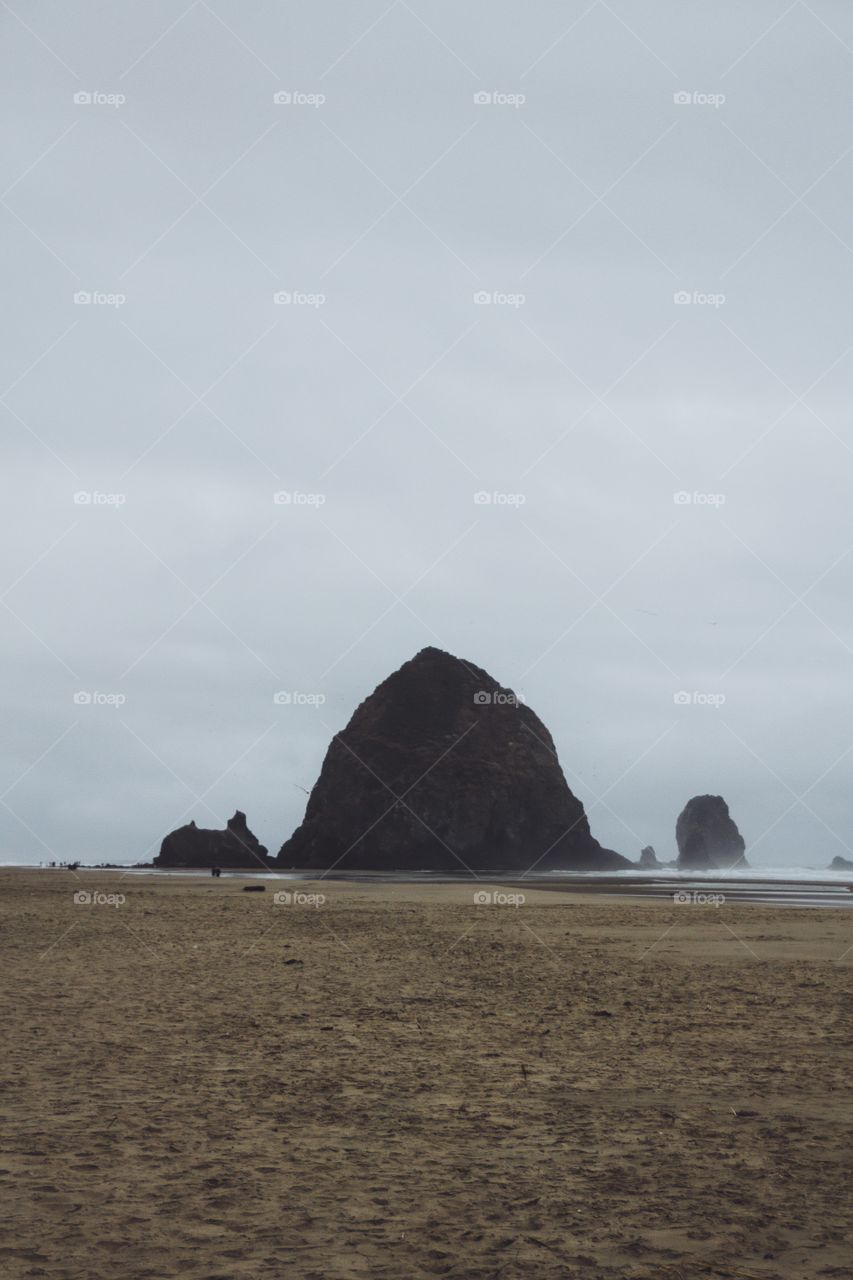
<point x="193" y="846"/>
<point x="442" y="769"/>
<point x="841" y="864"/>
<point x="648" y="858"/>
<point x="707" y="838"/>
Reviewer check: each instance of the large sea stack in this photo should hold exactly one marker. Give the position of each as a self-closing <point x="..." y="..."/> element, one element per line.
<point x="193" y="846"/>
<point x="442" y="769"/>
<point x="707" y="837"/>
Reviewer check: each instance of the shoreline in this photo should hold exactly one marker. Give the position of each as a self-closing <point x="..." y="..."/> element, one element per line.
<point x="772" y="875"/>
<point x="679" y="888"/>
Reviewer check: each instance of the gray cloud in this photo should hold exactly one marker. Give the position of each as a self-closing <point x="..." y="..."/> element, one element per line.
<point x="382" y="385"/>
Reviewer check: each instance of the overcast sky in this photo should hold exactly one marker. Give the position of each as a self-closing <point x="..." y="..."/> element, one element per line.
<point x="624" y="154"/>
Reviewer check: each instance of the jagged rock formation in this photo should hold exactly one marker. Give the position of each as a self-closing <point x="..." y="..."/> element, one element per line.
<point x="442" y="769"/>
<point x="841" y="864"/>
<point x="193" y="846"/>
<point x="648" y="858"/>
<point x="707" y="837"/>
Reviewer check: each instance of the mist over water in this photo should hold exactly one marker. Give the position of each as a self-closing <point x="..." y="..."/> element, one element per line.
<point x="796" y="874"/>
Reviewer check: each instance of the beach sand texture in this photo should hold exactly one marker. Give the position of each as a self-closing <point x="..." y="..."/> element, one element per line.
<point x="399" y="1083"/>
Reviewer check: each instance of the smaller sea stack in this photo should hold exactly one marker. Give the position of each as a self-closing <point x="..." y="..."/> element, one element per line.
<point x="707" y="837"/>
<point x="193" y="846"/>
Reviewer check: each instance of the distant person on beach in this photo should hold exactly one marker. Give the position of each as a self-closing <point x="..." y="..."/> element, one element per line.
<point x="216" y="871"/>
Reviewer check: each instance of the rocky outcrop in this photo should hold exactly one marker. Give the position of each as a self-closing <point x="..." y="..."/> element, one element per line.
<point x="841" y="864"/>
<point x="707" y="837"/>
<point x="649" y="859"/>
<point x="443" y="769"/>
<point x="193" y="846"/>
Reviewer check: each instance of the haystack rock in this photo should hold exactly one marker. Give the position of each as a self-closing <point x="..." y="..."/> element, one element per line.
<point x="193" y="846"/>
<point x="841" y="864"/>
<point x="442" y="769"/>
<point x="707" y="837"/>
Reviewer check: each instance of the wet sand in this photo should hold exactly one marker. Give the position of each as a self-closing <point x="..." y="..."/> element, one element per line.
<point x="400" y="1082"/>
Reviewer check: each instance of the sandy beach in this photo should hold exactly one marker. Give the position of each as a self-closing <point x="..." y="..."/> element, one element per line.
<point x="400" y="1082"/>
